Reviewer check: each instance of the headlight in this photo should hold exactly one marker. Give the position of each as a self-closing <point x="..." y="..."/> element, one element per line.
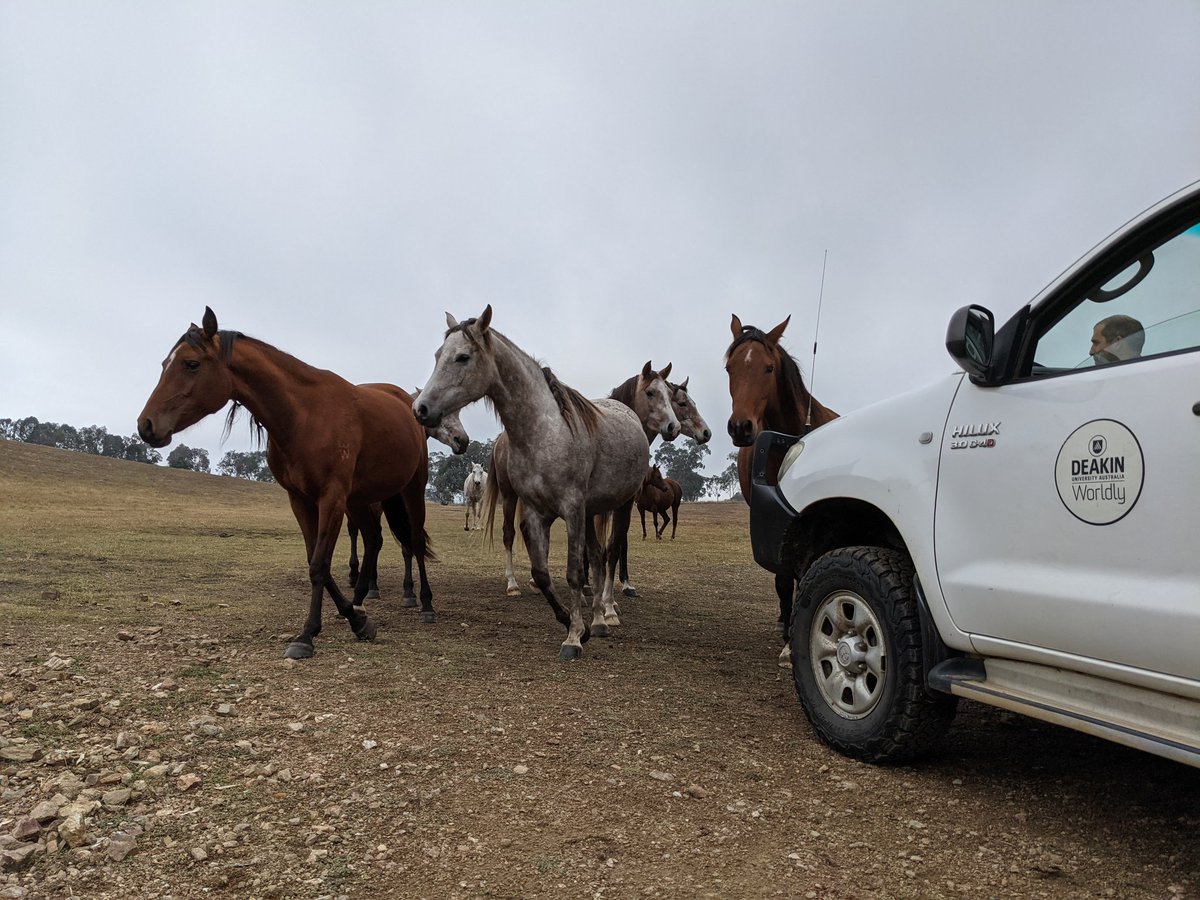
<point x="790" y="457"/>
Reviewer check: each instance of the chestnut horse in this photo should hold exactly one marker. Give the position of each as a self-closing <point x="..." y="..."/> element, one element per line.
<point x="336" y="448"/>
<point x="568" y="457"/>
<point x="451" y="433"/>
<point x="768" y="394"/>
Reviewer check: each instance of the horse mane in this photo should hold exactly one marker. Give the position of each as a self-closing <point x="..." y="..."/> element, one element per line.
<point x="193" y="337"/>
<point x="623" y="392"/>
<point x="576" y="409"/>
<point x="792" y="392"/>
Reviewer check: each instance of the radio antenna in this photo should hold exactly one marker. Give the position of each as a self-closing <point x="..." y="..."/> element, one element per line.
<point x="812" y="374"/>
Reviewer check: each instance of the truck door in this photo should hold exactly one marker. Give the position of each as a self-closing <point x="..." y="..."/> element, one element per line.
<point x="1068" y="498"/>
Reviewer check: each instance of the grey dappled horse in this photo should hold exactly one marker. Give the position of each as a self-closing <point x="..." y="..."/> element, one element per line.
<point x="568" y="457"/>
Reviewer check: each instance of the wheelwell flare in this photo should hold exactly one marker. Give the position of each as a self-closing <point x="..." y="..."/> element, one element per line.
<point x="840" y="522"/>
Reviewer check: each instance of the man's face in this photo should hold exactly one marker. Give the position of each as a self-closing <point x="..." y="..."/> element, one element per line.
<point x="1099" y="342"/>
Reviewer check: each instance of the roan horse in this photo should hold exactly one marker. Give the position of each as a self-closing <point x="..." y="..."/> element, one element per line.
<point x="451" y="433"/>
<point x="473" y="495"/>
<point x="335" y="447"/>
<point x="649" y="395"/>
<point x="568" y="457"/>
<point x="768" y="394"/>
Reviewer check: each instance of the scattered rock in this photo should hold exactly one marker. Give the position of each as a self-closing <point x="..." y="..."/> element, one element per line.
<point x="695" y="792"/>
<point x="121" y="843"/>
<point x="661" y="776"/>
<point x="520" y="770"/>
<point x="188" y="781"/>
<point x="73" y="830"/>
<point x="50" y="595"/>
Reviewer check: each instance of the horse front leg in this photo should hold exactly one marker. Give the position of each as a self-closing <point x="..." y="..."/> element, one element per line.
<point x="659" y="532"/>
<point x="535" y="529"/>
<point x="328" y="526"/>
<point x="578" y="631"/>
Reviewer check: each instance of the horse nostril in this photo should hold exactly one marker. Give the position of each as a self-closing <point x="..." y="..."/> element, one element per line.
<point x="145" y="429"/>
<point x="422" y="411"/>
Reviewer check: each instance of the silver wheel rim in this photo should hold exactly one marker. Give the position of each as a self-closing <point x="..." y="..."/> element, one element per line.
<point x="848" y="654"/>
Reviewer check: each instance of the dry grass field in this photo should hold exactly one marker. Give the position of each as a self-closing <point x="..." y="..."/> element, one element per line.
<point x="153" y="742"/>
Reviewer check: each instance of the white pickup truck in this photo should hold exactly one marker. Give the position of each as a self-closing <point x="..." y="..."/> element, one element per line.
<point x="1026" y="532"/>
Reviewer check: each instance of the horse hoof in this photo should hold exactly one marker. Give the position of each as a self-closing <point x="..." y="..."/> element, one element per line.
<point x="408" y="602"/>
<point x="372" y="595"/>
<point x="570" y="652"/>
<point x="426" y="617"/>
<point x="513" y="592"/>
<point x="366" y="632"/>
<point x="298" y="650"/>
<point x="600" y="629"/>
<point x="630" y="592"/>
<point x="612" y="620"/>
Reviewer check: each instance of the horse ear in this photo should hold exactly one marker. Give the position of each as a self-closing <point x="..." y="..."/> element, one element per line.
<point x="736" y="327"/>
<point x="451" y="322"/>
<point x="485" y="319"/>
<point x="210" y="323"/>
<point x="683" y="387"/>
<point x="665" y="372"/>
<point x="647" y="371"/>
<point x="777" y="332"/>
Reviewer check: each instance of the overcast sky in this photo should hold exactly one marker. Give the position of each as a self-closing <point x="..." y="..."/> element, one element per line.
<point x="615" y="178"/>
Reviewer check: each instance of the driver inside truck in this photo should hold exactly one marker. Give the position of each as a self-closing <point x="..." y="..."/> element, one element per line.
<point x="1117" y="338"/>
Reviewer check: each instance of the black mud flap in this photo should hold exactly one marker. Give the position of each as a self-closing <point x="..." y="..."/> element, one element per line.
<point x="770" y="513"/>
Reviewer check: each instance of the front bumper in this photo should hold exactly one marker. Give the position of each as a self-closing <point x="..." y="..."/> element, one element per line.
<point x="770" y="513"/>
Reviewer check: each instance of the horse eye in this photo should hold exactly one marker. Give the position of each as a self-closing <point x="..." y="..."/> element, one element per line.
<point x="462" y="358"/>
<point x="191" y="365"/>
<point x="770" y="369"/>
<point x="650" y="394"/>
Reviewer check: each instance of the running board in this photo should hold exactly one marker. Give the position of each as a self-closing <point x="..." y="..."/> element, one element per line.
<point x="1163" y="724"/>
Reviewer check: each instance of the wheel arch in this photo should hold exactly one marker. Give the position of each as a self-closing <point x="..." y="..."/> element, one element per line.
<point x="838" y="522"/>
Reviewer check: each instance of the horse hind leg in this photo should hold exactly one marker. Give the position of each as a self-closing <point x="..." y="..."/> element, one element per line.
<point x="510" y="532"/>
<point x="603" y="613"/>
<point x="367" y="584"/>
<point x="618" y="549"/>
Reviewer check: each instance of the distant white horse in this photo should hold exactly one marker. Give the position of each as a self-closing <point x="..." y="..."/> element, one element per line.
<point x="568" y="457"/>
<point x="473" y="496"/>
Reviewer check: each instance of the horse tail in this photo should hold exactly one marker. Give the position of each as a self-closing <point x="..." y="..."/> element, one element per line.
<point x="490" y="494"/>
<point x="398" y="521"/>
<point x="601" y="522"/>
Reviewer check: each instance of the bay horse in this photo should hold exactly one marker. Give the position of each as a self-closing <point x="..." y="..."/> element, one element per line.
<point x="568" y="457"/>
<point x="768" y="394"/>
<point x="335" y="447"/>
<point x="654" y="496"/>
<point x="473" y="495"/>
<point x="649" y="395"/>
<point x="451" y="433"/>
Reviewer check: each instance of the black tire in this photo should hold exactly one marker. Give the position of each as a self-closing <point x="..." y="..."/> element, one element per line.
<point x="857" y="658"/>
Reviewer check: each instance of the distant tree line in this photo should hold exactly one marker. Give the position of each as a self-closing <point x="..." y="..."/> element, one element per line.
<point x="682" y="460"/>
<point x="96" y="440"/>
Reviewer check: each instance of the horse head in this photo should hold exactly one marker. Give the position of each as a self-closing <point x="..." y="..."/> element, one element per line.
<point x="195" y="382"/>
<point x="755" y="365"/>
<point x="654" y="479"/>
<point x="449" y="431"/>
<point x="691" y="423"/>
<point x="652" y="402"/>
<point x="464" y="368"/>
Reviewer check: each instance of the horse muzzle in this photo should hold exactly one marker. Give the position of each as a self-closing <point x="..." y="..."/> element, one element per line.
<point x="147" y="433"/>
<point x="742" y="432"/>
<point x="425" y="415"/>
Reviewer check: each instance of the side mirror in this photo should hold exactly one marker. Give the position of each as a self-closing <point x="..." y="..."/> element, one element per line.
<point x="969" y="339"/>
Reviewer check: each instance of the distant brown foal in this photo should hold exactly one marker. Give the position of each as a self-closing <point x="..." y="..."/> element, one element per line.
<point x="335" y="447"/>
<point x="655" y="497"/>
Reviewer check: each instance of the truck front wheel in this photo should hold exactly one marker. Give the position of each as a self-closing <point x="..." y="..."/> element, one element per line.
<point x="857" y="658"/>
